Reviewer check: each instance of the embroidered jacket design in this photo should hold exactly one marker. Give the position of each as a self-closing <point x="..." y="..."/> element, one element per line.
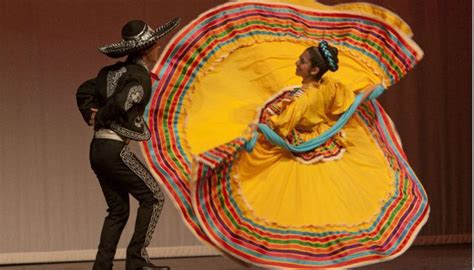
<point x="113" y="77"/>
<point x="137" y="136"/>
<point x="135" y="95"/>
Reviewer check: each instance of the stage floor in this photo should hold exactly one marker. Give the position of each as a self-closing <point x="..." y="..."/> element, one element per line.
<point x="451" y="257"/>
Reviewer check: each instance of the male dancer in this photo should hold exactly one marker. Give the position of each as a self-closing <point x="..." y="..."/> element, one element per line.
<point x="114" y="103"/>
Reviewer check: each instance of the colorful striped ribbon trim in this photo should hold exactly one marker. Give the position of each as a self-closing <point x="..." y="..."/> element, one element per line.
<point x="192" y="52"/>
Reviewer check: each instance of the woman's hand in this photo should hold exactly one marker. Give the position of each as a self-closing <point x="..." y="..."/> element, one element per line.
<point x="253" y="127"/>
<point x="248" y="133"/>
<point x="367" y="91"/>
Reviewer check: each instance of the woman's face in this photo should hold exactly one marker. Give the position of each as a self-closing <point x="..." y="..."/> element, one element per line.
<point x="304" y="68"/>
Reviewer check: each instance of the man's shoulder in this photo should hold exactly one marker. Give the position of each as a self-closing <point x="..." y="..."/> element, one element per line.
<point x="123" y="73"/>
<point x="135" y="67"/>
<point x="137" y="71"/>
<point x="113" y="67"/>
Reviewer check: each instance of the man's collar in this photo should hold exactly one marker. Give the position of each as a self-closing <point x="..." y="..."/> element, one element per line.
<point x="139" y="61"/>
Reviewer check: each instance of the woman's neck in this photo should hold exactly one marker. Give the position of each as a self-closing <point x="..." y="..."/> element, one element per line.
<point x="308" y="81"/>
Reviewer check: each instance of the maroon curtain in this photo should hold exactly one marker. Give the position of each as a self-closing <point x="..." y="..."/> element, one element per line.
<point x="48" y="47"/>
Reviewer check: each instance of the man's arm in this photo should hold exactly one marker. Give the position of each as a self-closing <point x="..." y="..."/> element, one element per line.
<point x="121" y="102"/>
<point x="87" y="101"/>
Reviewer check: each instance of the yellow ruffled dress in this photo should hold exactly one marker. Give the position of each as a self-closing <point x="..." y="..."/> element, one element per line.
<point x="348" y="188"/>
<point x="352" y="201"/>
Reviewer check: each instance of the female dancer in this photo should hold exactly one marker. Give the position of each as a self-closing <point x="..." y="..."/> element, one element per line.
<point x="329" y="184"/>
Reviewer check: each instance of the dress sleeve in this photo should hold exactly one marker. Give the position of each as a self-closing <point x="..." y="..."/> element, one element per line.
<point x="290" y="116"/>
<point x="338" y="98"/>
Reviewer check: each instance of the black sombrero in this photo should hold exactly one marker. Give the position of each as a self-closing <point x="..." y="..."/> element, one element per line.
<point x="137" y="36"/>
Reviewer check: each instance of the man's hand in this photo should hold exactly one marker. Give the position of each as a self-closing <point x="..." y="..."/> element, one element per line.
<point x="92" y="120"/>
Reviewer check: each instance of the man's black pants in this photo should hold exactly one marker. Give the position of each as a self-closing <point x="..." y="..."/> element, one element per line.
<point x="120" y="173"/>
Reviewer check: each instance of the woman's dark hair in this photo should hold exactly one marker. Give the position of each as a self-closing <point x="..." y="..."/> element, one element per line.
<point x="324" y="57"/>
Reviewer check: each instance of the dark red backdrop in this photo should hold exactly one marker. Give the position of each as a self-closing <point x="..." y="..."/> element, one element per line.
<point x="48" y="47"/>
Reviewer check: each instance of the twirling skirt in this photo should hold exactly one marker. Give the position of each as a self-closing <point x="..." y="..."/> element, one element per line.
<point x="266" y="207"/>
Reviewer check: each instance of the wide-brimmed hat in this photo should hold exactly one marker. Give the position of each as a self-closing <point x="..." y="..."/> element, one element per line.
<point x="137" y="36"/>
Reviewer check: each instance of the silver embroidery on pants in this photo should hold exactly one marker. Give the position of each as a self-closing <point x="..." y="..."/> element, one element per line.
<point x="141" y="171"/>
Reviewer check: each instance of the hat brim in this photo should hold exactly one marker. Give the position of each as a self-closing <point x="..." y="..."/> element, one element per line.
<point x="125" y="47"/>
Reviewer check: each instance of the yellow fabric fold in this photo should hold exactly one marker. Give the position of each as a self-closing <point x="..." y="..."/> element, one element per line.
<point x="220" y="107"/>
<point x="277" y="189"/>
